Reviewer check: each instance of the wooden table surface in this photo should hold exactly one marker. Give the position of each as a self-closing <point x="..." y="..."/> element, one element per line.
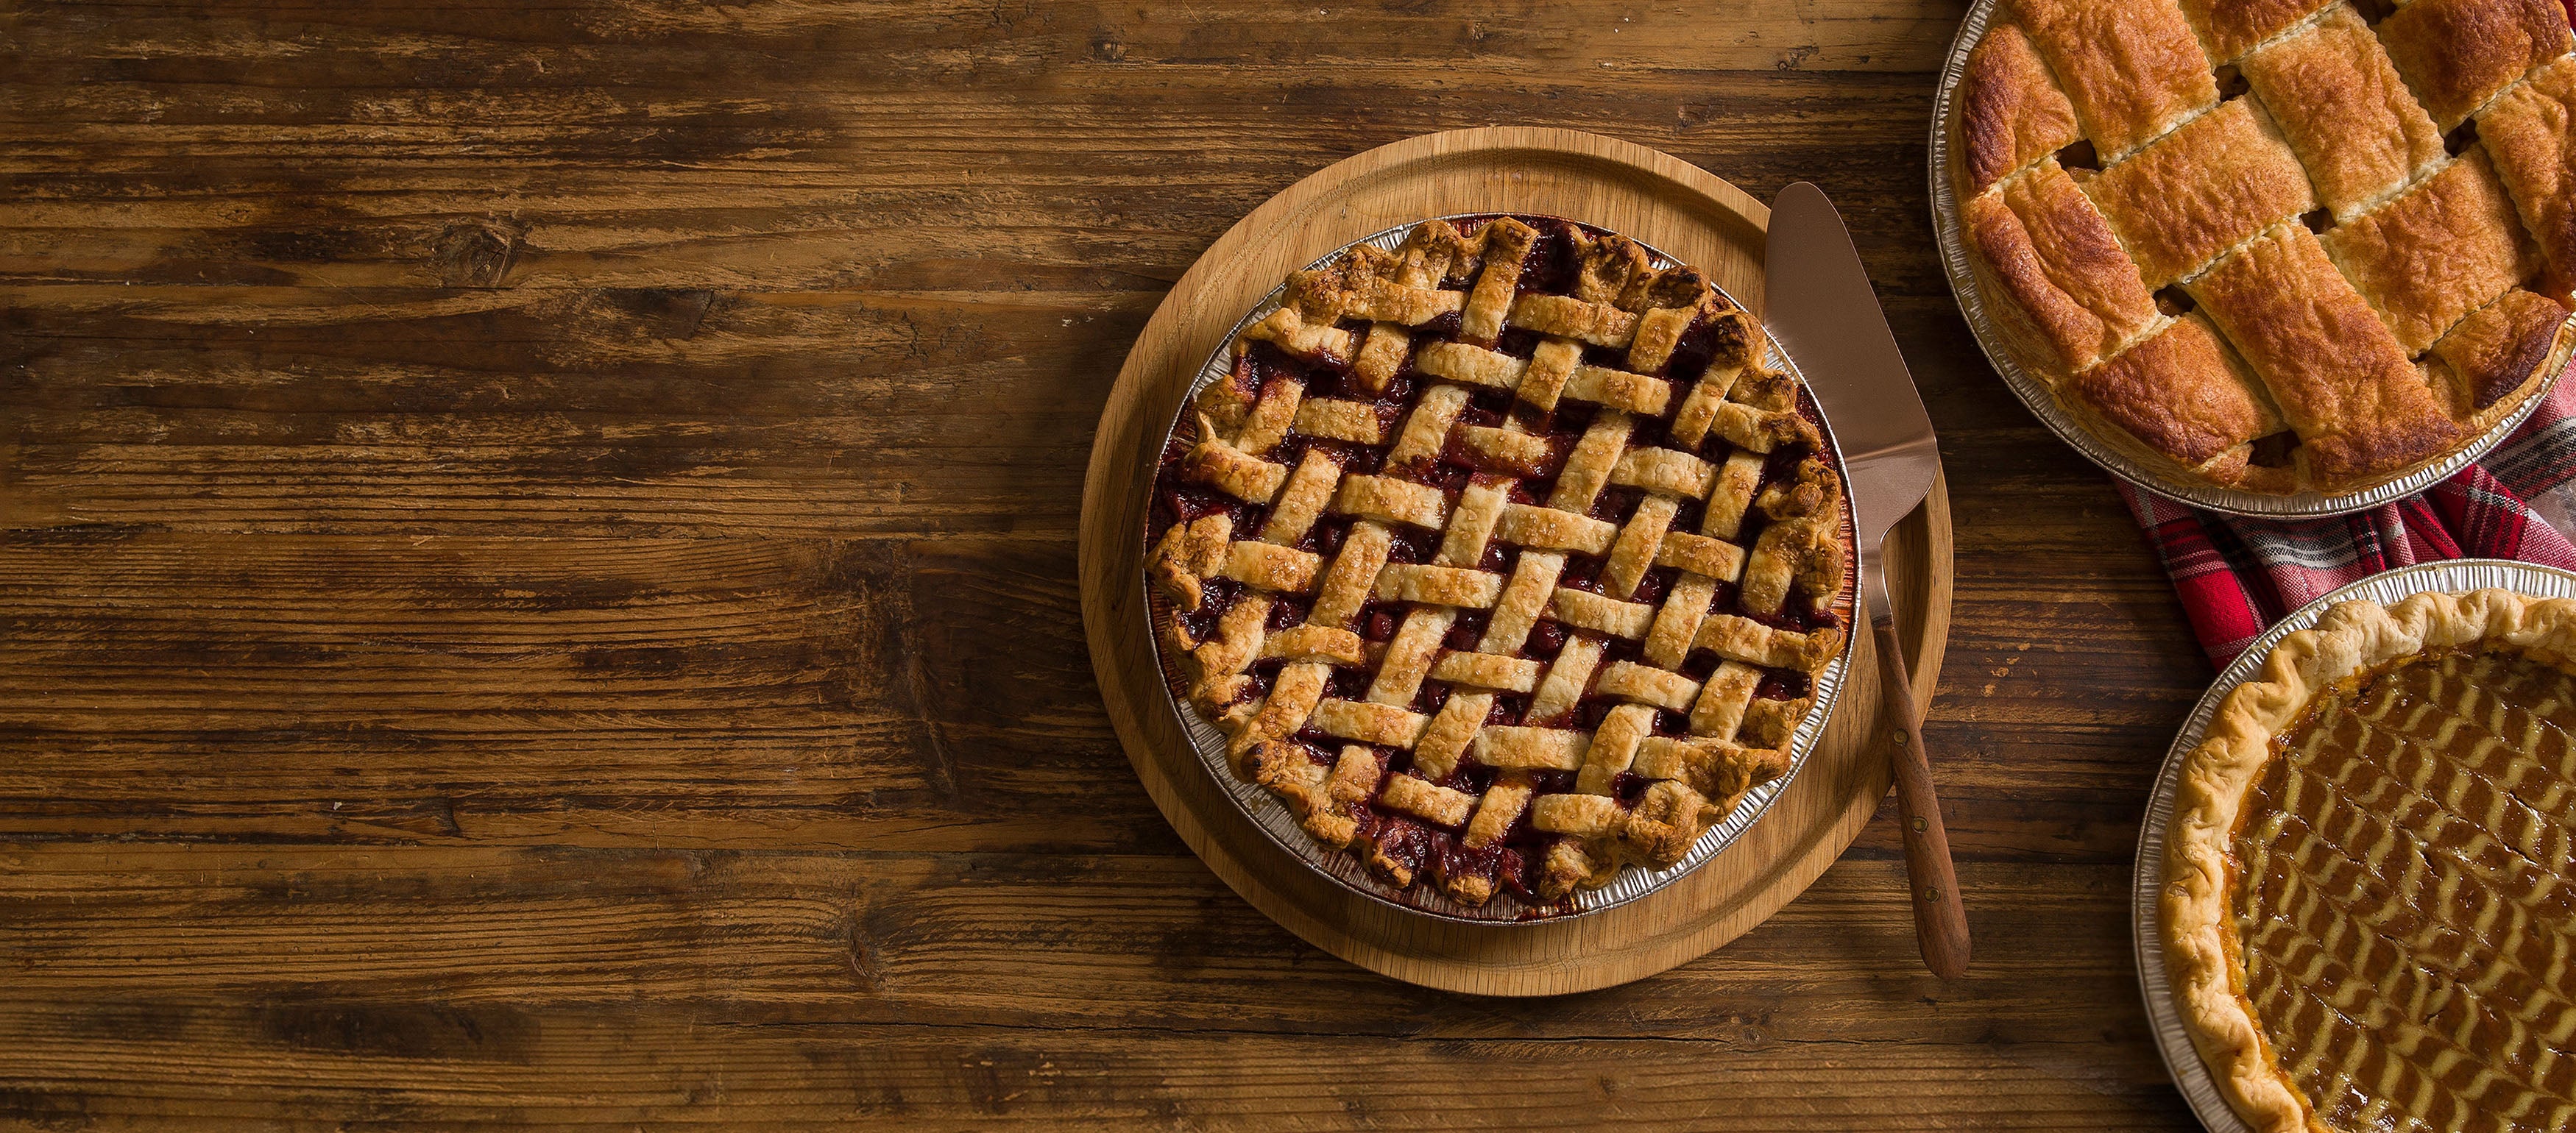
<point x="538" y="582"/>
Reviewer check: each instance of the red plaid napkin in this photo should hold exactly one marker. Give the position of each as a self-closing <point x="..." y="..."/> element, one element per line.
<point x="2238" y="576"/>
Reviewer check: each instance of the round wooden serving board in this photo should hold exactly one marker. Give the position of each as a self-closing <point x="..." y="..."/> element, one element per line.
<point x="1623" y="187"/>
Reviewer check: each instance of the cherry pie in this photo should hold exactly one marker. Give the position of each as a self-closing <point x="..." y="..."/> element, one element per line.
<point x="2276" y="245"/>
<point x="1500" y="558"/>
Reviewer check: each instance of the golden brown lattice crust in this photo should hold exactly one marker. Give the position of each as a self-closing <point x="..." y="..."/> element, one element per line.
<point x="2531" y="132"/>
<point x="2457" y="54"/>
<point x="2345" y="112"/>
<point x="2201" y="190"/>
<point x="1502" y="559"/>
<point x="2179" y="395"/>
<point x="2075" y="296"/>
<point x="2490" y="360"/>
<point x="2230" y="28"/>
<point x="2131" y="67"/>
<point x="2314" y="214"/>
<point x="2447" y="247"/>
<point x="2361" y="409"/>
<point x="2205" y="957"/>
<point x="2011" y="113"/>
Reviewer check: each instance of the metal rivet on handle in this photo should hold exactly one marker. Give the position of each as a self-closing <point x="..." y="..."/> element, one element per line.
<point x="1921" y="824"/>
<point x="1932" y="895"/>
<point x="1899" y="737"/>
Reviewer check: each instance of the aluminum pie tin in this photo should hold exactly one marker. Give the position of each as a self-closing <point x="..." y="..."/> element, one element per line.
<point x="2034" y="390"/>
<point x="2173" y="1040"/>
<point x="1270" y="815"/>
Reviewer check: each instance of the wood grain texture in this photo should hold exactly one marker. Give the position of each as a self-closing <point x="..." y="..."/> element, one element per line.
<point x="537" y="583"/>
<point x="1687" y="213"/>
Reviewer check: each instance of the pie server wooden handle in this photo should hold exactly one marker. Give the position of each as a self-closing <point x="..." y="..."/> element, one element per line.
<point x="1940" y="923"/>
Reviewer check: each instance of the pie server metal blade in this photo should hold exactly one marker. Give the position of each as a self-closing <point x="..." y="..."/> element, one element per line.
<point x="1823" y="312"/>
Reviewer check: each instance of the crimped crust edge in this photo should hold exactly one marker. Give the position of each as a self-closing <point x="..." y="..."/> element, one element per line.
<point x="2204" y="959"/>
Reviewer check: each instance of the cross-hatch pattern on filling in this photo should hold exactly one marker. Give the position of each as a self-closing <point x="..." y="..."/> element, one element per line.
<point x="2405" y="899"/>
<point x="2280" y="277"/>
<point x="1501" y="557"/>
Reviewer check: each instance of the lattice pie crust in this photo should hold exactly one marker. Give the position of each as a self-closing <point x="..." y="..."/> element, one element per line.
<point x="1500" y="558"/>
<point x="2324" y="245"/>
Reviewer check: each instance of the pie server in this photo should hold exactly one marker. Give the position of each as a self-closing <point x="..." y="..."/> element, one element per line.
<point x="1822" y="311"/>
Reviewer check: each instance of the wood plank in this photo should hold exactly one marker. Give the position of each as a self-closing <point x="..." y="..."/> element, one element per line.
<point x="1049" y="941"/>
<point x="757" y="417"/>
<point x="318" y="1066"/>
<point x="677" y="52"/>
<point x="646" y="360"/>
<point x="818" y="189"/>
<point x="448" y="982"/>
<point x="798" y="692"/>
<point x="692" y="692"/>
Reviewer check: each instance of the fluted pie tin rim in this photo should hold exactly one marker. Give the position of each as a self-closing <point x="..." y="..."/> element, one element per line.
<point x="2173" y="1039"/>
<point x="1271" y="816"/>
<point x="2042" y="401"/>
